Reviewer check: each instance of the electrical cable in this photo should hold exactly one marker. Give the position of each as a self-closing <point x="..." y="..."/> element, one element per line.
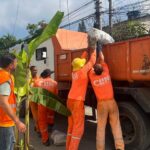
<point x="76" y="10"/>
<point x="119" y="13"/>
<point x="17" y="13"/>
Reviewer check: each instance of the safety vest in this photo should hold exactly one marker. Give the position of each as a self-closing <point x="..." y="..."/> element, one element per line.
<point x="5" y="120"/>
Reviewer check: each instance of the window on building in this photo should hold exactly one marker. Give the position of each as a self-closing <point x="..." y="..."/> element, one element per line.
<point x="41" y="53"/>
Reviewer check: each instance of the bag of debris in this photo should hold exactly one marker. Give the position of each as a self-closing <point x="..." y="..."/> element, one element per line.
<point x="96" y="35"/>
<point x="58" y="137"/>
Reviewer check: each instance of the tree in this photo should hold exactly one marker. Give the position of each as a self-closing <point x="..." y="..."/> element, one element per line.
<point x="42" y="24"/>
<point x="7" y="41"/>
<point x="82" y="27"/>
<point x="32" y="28"/>
<point x="127" y="30"/>
<point x="36" y="29"/>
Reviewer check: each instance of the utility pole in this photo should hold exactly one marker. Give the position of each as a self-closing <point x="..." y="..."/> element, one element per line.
<point x="98" y="19"/>
<point x="110" y="16"/>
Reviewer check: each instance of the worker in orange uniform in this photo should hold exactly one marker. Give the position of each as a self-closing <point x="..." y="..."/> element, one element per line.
<point x="33" y="105"/>
<point x="76" y="97"/>
<point x="8" y="118"/>
<point x="106" y="107"/>
<point x="46" y="115"/>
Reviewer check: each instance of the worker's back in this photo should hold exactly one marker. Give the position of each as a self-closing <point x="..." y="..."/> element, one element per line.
<point x="47" y="84"/>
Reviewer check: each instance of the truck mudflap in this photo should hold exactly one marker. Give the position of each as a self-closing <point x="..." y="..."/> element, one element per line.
<point x="140" y="95"/>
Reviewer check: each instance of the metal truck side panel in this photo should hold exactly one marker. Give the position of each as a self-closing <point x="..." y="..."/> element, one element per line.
<point x="129" y="60"/>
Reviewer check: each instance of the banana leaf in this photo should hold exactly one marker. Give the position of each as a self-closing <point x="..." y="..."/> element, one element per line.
<point x="49" y="100"/>
<point x="48" y="32"/>
<point x="20" y="76"/>
<point x="20" y="79"/>
<point x="20" y="72"/>
<point x="24" y="57"/>
<point x="21" y="91"/>
<point x="17" y="55"/>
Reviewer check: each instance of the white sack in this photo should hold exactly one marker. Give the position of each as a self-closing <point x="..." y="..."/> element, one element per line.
<point x="99" y="35"/>
<point x="59" y="138"/>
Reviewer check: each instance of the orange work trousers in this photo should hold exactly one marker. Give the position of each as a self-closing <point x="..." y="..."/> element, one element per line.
<point x="45" y="118"/>
<point x="34" y="110"/>
<point x="75" y="124"/>
<point x="108" y="109"/>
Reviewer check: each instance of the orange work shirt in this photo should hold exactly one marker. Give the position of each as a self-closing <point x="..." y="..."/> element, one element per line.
<point x="80" y="80"/>
<point x="102" y="84"/>
<point x="32" y="82"/>
<point x="47" y="84"/>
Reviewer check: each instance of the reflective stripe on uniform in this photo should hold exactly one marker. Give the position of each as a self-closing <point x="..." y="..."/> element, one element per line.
<point x="13" y="105"/>
<point x="69" y="134"/>
<point x="76" y="138"/>
<point x="45" y="130"/>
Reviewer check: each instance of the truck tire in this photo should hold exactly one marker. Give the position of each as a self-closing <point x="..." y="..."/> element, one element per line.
<point x="135" y="126"/>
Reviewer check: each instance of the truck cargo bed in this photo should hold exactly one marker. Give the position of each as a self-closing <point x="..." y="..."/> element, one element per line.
<point x="129" y="60"/>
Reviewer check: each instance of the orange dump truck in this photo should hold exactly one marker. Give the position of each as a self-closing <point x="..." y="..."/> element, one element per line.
<point x="129" y="64"/>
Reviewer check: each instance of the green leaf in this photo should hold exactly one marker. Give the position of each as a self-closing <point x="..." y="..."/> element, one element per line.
<point x="20" y="65"/>
<point x="49" y="100"/>
<point x="20" y="72"/>
<point x="48" y="32"/>
<point x="24" y="56"/>
<point x="17" y="56"/>
<point x="21" y="91"/>
<point x="20" y="81"/>
<point x="20" y="75"/>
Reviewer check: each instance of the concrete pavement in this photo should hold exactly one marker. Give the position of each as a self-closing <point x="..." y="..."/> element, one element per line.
<point x="88" y="141"/>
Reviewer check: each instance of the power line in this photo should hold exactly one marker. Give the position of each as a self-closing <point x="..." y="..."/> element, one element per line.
<point x="120" y="11"/>
<point x="75" y="16"/>
<point x="129" y="6"/>
<point x="85" y="18"/>
<point x="76" y="13"/>
<point x="76" y="10"/>
<point x="17" y="12"/>
<point x="81" y="13"/>
<point x="126" y="8"/>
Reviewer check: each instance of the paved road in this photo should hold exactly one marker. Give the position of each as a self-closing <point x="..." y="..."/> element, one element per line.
<point x="88" y="141"/>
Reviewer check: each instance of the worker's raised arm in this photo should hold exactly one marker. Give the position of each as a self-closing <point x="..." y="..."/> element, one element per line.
<point x="102" y="62"/>
<point x="91" y="61"/>
<point x="101" y="57"/>
<point x="84" y="55"/>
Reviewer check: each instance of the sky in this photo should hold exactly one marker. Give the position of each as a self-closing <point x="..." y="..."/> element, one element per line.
<point x="30" y="11"/>
<point x="16" y="14"/>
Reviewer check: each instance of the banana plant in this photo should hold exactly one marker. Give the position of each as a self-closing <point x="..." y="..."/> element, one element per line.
<point x="23" y="78"/>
